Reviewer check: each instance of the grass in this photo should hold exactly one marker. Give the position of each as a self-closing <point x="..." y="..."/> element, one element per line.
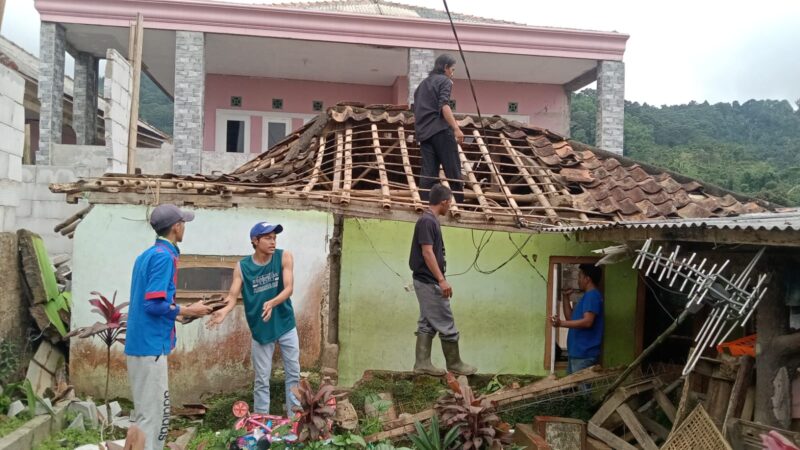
<point x="75" y="438"/>
<point x="9" y="424"/>
<point x="410" y="395"/>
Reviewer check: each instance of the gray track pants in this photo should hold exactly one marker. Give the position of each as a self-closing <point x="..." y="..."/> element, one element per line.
<point x="147" y="376"/>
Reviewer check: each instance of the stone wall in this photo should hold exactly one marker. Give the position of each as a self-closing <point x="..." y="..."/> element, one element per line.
<point x="610" y="105"/>
<point x="420" y="62"/>
<point x="117" y="94"/>
<point x="190" y="81"/>
<point x="52" y="41"/>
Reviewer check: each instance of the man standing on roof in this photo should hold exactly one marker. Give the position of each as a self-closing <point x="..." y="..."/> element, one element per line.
<point x="587" y="321"/>
<point x="266" y="280"/>
<point x="436" y="128"/>
<point x="427" y="262"/>
<point x="150" y="336"/>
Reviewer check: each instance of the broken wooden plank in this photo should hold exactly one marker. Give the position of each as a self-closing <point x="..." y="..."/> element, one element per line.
<point x="738" y="391"/>
<point x="633" y="424"/>
<point x="608" y="437"/>
<point x="496" y="173"/>
<point x="386" y="201"/>
<point x="348" y="166"/>
<point x="620" y="396"/>
<point x="525" y="436"/>
<point x="412" y="185"/>
<point x="337" y="163"/>
<point x="653" y="427"/>
<point x="136" y="67"/>
<point x="665" y="403"/>
<point x="532" y="183"/>
<point x="315" y="172"/>
<point x="453" y="205"/>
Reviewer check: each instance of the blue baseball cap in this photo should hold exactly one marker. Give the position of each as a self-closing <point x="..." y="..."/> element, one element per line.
<point x="262" y="228"/>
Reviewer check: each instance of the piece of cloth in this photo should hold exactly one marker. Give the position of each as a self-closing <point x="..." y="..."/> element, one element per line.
<point x="577" y="364"/>
<point x="587" y="342"/>
<point x="152" y="309"/>
<point x="429" y="98"/>
<point x="427" y="231"/>
<point x="435" y="315"/>
<point x="442" y="149"/>
<point x="147" y="376"/>
<point x="262" y="365"/>
<point x="260" y="284"/>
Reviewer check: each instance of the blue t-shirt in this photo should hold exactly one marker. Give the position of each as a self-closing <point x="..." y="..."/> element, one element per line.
<point x="154" y="279"/>
<point x="586" y="342"/>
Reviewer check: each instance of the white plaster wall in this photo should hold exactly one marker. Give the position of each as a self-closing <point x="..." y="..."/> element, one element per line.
<point x="223" y="162"/>
<point x="12" y="136"/>
<point x="155" y="161"/>
<point x="117" y="94"/>
<point x="107" y="243"/>
<point x="40" y="210"/>
<point x="88" y="160"/>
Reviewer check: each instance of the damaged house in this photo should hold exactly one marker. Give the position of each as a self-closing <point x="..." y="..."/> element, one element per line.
<point x="344" y="188"/>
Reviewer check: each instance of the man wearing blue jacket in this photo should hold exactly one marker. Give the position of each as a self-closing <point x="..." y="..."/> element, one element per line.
<point x="151" y="323"/>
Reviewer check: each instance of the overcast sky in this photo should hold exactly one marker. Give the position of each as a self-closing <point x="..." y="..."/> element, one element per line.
<point x="678" y="51"/>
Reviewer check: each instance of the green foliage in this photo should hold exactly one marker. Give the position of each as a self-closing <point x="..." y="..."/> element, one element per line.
<point x="348" y="441"/>
<point x="76" y="438"/>
<point x="578" y="407"/>
<point x="410" y="396"/>
<point x="9" y="361"/>
<point x="431" y="439"/>
<point x="155" y="107"/>
<point x="752" y="148"/>
<point x="371" y="425"/>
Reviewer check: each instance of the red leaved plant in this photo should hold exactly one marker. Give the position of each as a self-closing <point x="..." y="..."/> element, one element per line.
<point x="110" y="331"/>
<point x="479" y="425"/>
<point x="316" y="411"/>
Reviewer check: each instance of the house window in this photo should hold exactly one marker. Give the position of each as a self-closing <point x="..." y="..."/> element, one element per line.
<point x="201" y="276"/>
<point x="275" y="128"/>
<point x="232" y="131"/>
<point x="562" y="275"/>
<point x="235" y="136"/>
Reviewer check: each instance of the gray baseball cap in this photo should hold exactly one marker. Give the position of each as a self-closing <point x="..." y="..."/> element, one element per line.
<point x="166" y="215"/>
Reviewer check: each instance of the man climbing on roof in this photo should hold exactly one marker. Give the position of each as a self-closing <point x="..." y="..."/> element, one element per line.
<point x="436" y="128"/>
<point x="428" y="265"/>
<point x="150" y="336"/>
<point x="587" y="321"/>
<point x="266" y="281"/>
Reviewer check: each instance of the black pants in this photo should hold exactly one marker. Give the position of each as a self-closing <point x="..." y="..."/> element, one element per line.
<point x="442" y="149"/>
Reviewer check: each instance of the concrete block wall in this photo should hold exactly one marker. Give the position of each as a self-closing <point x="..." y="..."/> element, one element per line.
<point x="155" y="161"/>
<point x="12" y="137"/>
<point x="420" y="62"/>
<point x="190" y="80"/>
<point x="224" y="162"/>
<point x="117" y="94"/>
<point x="52" y="43"/>
<point x="610" y="106"/>
<point x="40" y="210"/>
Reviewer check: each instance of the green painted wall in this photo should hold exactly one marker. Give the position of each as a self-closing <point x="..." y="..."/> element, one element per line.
<point x="501" y="316"/>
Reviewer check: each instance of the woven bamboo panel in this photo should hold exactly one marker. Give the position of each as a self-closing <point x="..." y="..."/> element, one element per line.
<point x="697" y="432"/>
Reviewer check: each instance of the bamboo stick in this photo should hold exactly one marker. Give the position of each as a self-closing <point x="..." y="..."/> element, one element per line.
<point x="348" y="165"/>
<point x="454" y="211"/>
<point x="501" y="182"/>
<point x="317" y="167"/>
<point x="376" y="144"/>
<point x="528" y="178"/>
<point x="412" y="185"/>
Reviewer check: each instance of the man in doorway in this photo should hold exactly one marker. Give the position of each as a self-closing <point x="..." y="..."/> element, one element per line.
<point x="586" y="320"/>
<point x="150" y="335"/>
<point x="436" y="128"/>
<point x="427" y="262"/>
<point x="266" y="281"/>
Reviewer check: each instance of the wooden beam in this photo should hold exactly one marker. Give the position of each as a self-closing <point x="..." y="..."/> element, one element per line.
<point x="474" y="184"/>
<point x="498" y="176"/>
<point x="386" y="201"/>
<point x="739" y="391"/>
<point x="608" y="437"/>
<point x="532" y="183"/>
<point x="337" y="162"/>
<point x="317" y="167"/>
<point x="665" y="403"/>
<point x="453" y="205"/>
<point x="136" y="64"/>
<point x="412" y="185"/>
<point x="27" y="154"/>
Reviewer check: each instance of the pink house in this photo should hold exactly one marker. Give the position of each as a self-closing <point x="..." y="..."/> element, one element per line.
<point x="243" y="76"/>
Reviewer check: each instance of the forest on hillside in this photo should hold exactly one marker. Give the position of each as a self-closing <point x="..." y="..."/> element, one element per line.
<point x="751" y="148"/>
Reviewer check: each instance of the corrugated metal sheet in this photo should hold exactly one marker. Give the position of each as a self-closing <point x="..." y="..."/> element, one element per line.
<point x="786" y="220"/>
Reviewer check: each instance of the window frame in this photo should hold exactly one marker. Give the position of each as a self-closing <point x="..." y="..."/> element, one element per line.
<point x="223" y="117"/>
<point x="274" y="118"/>
<point x="211" y="261"/>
